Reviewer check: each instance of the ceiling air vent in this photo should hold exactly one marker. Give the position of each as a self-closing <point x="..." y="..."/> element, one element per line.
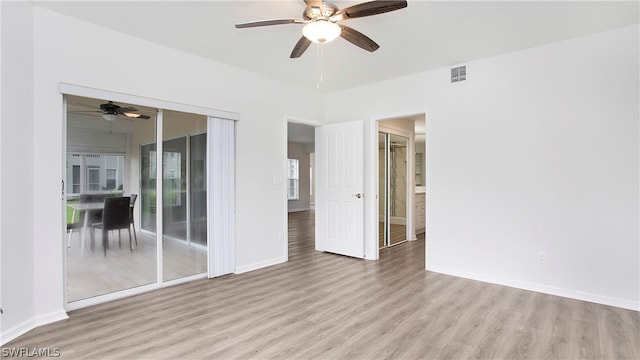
<point x="458" y="74"/>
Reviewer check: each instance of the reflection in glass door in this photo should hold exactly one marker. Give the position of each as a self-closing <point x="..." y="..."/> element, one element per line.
<point x="118" y="157"/>
<point x="184" y="224"/>
<point x="393" y="183"/>
<point x="101" y="164"/>
<point x="198" y="189"/>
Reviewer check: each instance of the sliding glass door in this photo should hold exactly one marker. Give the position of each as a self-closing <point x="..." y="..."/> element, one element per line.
<point x="106" y="256"/>
<point x="393" y="188"/>
<point x="166" y="210"/>
<point x="184" y="239"/>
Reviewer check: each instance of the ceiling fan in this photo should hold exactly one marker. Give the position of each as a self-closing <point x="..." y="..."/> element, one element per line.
<point x="111" y="112"/>
<point x="321" y="18"/>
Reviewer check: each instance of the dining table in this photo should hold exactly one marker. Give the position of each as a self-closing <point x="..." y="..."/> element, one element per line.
<point x="83" y="208"/>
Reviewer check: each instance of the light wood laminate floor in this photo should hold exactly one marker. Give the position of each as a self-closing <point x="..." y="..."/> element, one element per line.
<point x="92" y="274"/>
<point x="325" y="306"/>
<point x="398" y="234"/>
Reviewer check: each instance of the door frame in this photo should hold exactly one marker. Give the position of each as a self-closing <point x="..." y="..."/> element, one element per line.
<point x="371" y="181"/>
<point x="285" y="202"/>
<point x="410" y="181"/>
<point x="410" y="199"/>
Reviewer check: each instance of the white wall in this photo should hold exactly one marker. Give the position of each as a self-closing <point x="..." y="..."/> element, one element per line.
<point x="71" y="51"/>
<point x="16" y="148"/>
<point x="538" y="151"/>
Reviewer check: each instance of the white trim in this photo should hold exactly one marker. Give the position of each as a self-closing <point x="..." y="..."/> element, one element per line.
<point x="84" y="91"/>
<point x="541" y="288"/>
<point x="100" y="299"/>
<point x="299" y="209"/>
<point x="259" y="265"/>
<point x="63" y="204"/>
<point x="185" y="279"/>
<point x="51" y="317"/>
<point x="26" y="326"/>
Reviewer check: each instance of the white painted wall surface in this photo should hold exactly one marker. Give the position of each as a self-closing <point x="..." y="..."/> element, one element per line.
<point x="538" y="151"/>
<point x="17" y="221"/>
<point x="70" y="51"/>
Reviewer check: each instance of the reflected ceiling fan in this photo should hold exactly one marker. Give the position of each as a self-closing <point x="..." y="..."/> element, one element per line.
<point x="321" y="23"/>
<point x="111" y="112"/>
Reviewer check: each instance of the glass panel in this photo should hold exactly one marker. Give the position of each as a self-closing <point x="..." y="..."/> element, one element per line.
<point x="93" y="178"/>
<point x="174" y="161"/>
<point x="184" y="220"/>
<point x="104" y="161"/>
<point x="75" y="184"/>
<point x="393" y="185"/>
<point x="382" y="190"/>
<point x="148" y="187"/>
<point x="198" y="189"/>
<point x="397" y="149"/>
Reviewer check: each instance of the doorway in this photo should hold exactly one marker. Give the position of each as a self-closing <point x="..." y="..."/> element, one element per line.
<point x="300" y="173"/>
<point x="400" y="163"/>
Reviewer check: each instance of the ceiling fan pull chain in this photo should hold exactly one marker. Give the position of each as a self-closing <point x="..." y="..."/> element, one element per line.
<point x="319" y="65"/>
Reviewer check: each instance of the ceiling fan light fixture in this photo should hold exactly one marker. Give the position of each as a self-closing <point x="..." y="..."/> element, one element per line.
<point x="110" y="117"/>
<point x="321" y="31"/>
<point x="131" y="115"/>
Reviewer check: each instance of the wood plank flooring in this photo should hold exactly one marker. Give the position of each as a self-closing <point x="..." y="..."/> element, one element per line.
<point x="325" y="306"/>
<point x="94" y="274"/>
<point x="398" y="234"/>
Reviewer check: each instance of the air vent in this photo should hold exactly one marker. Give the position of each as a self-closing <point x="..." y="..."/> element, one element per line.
<point x="458" y="74"/>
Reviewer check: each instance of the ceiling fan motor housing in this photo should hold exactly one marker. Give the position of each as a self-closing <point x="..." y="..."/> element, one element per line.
<point x="323" y="12"/>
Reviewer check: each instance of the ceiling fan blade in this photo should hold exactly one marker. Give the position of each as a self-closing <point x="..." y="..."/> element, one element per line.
<point x="126" y="109"/>
<point x="313" y="3"/>
<point x="358" y="39"/>
<point x="269" y="22"/>
<point x="300" y="48"/>
<point x="135" y="116"/>
<point x="368" y="9"/>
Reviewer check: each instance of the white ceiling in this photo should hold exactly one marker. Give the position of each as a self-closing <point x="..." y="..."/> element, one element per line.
<point x="423" y="36"/>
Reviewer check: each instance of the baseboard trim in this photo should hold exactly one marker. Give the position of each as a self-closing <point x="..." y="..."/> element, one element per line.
<point x="30" y="324"/>
<point x="260" y="265"/>
<point x="51" y="317"/>
<point x="541" y="288"/>
<point x="298" y="209"/>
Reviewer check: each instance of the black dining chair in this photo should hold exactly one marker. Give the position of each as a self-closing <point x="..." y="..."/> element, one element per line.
<point x="115" y="216"/>
<point x="132" y="204"/>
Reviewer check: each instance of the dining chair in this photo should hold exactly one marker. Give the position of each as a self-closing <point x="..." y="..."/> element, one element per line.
<point x="132" y="204"/>
<point x="115" y="216"/>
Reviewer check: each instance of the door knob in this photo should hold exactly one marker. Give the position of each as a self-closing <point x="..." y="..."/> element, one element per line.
<point x="358" y="195"/>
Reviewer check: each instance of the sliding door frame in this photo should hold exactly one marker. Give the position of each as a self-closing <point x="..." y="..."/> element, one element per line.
<point x="69" y="89"/>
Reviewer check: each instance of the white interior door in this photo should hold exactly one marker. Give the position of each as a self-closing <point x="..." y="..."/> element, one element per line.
<point x="339" y="188"/>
